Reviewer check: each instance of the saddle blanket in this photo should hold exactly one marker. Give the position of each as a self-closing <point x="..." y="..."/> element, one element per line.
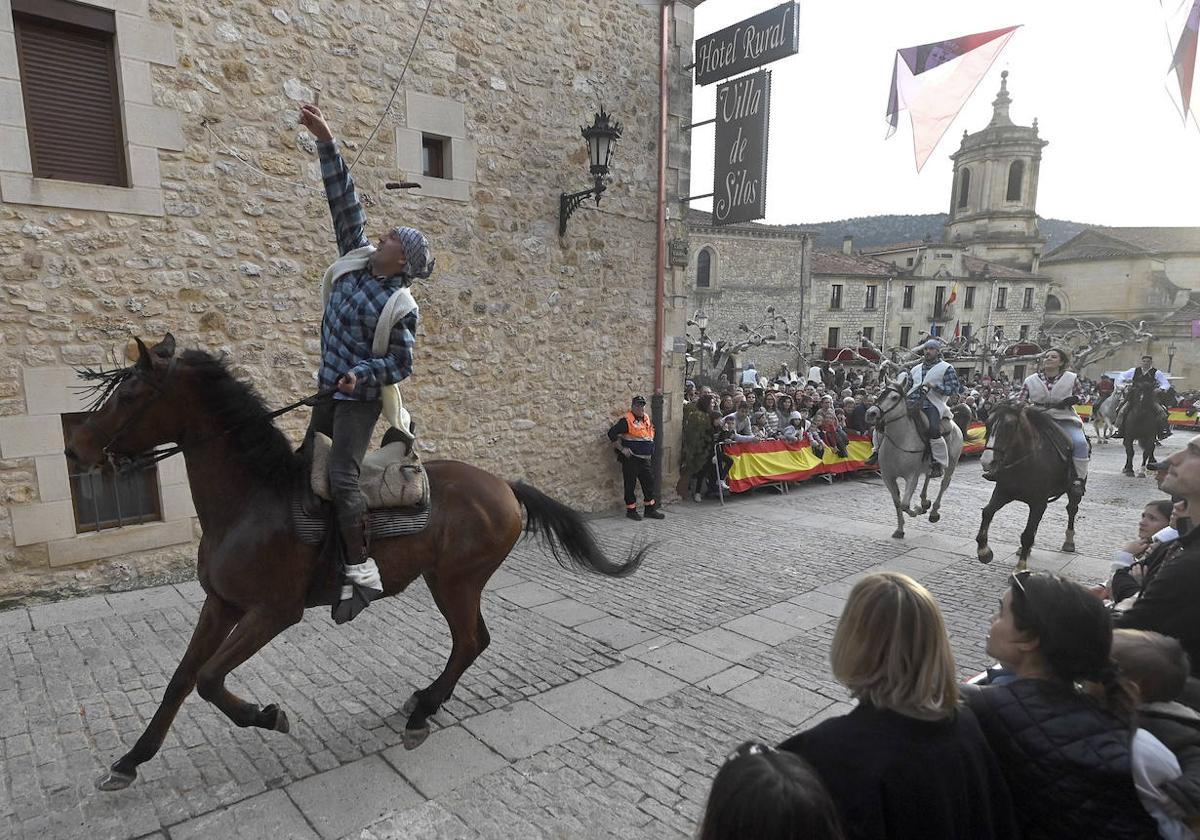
<point x="385" y="523"/>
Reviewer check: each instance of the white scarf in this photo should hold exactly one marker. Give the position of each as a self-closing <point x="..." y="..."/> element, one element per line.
<point x="399" y="305"/>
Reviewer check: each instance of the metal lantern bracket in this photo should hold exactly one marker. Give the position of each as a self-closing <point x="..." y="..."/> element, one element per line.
<point x="601" y="136"/>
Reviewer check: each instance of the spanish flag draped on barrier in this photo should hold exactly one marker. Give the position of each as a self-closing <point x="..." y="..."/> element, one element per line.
<point x="1177" y="417"/>
<point x="770" y="461"/>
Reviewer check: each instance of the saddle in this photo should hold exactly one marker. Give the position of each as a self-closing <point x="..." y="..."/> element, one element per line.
<point x="392" y="476"/>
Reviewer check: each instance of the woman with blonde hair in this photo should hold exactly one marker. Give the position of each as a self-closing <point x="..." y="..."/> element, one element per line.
<point x="908" y="761"/>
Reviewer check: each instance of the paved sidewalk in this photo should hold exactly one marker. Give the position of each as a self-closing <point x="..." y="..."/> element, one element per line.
<point x="602" y="708"/>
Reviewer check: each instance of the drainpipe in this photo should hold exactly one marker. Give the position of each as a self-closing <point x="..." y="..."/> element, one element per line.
<point x="656" y="400"/>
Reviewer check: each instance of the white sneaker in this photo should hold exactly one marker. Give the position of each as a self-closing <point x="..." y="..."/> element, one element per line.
<point x="697" y="498"/>
<point x="724" y="486"/>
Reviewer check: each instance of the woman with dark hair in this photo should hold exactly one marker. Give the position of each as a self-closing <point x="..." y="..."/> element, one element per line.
<point x="1068" y="757"/>
<point x="1055" y="390"/>
<point x="763" y="794"/>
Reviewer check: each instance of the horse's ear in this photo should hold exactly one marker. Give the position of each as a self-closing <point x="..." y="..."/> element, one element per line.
<point x="165" y="349"/>
<point x="144" y="360"/>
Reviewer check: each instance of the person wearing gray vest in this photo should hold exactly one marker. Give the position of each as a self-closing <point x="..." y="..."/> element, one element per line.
<point x="931" y="382"/>
<point x="366" y="286"/>
<point x="1056" y="390"/>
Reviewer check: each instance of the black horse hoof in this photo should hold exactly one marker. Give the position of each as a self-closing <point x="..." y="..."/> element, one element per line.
<point x="985" y="556"/>
<point x="115" y="779"/>
<point x="934" y="517"/>
<point x="410" y="705"/>
<point x="1128" y="472"/>
<point x="1068" y="547"/>
<point x="273" y="717"/>
<point x="898" y="534"/>
<point x="413" y="738"/>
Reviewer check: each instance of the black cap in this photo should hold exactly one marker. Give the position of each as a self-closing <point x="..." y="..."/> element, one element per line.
<point x="638" y="400"/>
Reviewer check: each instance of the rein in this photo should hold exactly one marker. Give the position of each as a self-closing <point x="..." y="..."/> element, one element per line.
<point x="122" y="463"/>
<point x="886" y="436"/>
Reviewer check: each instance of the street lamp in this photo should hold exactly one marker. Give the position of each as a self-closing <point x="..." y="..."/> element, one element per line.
<point x="702" y="324"/>
<point x="1170" y="355"/>
<point x="601" y="137"/>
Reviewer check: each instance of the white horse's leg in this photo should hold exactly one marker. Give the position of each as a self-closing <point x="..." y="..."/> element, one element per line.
<point x="925" y="493"/>
<point x="934" y="516"/>
<point x="894" y="488"/>
<point x="910" y="487"/>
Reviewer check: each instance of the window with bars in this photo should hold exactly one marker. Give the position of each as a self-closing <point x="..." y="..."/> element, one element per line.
<point x="66" y="54"/>
<point x="835" y="296"/>
<point x="102" y="499"/>
<point x="1027" y="301"/>
<point x="872" y="296"/>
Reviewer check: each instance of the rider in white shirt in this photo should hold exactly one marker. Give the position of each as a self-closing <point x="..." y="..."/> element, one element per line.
<point x="932" y="381"/>
<point x="1056" y="390"/>
<point x="1144" y="373"/>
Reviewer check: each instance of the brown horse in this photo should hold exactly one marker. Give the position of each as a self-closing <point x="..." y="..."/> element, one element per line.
<point x="257" y="575"/>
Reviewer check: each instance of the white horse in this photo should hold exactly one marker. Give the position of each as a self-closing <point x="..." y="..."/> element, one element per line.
<point x="902" y="455"/>
<point x="1104" y="419"/>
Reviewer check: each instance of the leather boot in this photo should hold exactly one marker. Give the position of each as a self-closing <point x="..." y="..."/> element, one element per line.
<point x="360" y="583"/>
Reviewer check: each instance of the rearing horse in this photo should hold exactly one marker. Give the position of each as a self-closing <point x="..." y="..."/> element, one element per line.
<point x="258" y="577"/>
<point x="1029" y="458"/>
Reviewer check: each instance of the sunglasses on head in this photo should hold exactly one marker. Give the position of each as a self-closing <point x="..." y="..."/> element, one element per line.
<point x="748" y="749"/>
<point x="1019" y="579"/>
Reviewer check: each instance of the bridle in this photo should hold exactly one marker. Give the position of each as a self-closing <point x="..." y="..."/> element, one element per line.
<point x="999" y="464"/>
<point x="127" y="463"/>
<point x="901" y="397"/>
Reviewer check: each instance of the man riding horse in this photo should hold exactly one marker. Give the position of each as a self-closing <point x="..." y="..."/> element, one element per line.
<point x="1145" y="373"/>
<point x="1054" y="389"/>
<point x="931" y="381"/>
<point x="366" y="287"/>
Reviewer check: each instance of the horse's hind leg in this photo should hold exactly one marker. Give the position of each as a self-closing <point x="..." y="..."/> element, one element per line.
<point x="925" y="494"/>
<point x="1036" y="511"/>
<point x="1128" y="455"/>
<point x="894" y="488"/>
<point x="934" y="514"/>
<point x="216" y="620"/>
<point x="252" y="633"/>
<point x="458" y="601"/>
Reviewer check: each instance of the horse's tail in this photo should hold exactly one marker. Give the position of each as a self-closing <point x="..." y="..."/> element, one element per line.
<point x="567" y="535"/>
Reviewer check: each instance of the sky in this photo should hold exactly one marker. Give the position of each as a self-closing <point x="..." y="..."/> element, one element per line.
<point x="1093" y="73"/>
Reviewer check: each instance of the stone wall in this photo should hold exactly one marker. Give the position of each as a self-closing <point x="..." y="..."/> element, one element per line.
<point x="752" y="268"/>
<point x="528" y="346"/>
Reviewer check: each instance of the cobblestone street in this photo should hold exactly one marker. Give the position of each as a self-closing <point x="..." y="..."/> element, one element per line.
<point x="601" y="710"/>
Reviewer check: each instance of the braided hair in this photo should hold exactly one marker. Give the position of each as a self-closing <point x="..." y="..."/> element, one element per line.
<point x="1074" y="634"/>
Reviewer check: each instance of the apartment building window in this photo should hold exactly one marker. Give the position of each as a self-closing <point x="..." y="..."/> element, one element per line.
<point x="1002" y="298"/>
<point x="835" y="296"/>
<point x="966" y="330"/>
<point x="872" y="294"/>
<point x="905" y="336"/>
<point x="66" y="53"/>
<point x="1027" y="301"/>
<point x="969" y="299"/>
<point x="1024" y="332"/>
<point x="908" y="297"/>
<point x="868" y="333"/>
<point x="833" y="337"/>
<point x="102" y="499"/>
<point x="939" y="301"/>
<point x="433" y="156"/>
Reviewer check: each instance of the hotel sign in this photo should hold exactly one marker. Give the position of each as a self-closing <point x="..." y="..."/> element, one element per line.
<point x="756" y="41"/>
<point x="740" y="163"/>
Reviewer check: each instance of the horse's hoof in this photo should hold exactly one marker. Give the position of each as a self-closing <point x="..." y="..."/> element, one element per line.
<point x="410" y="705"/>
<point x="1069" y="547"/>
<point x="898" y="534"/>
<point x="275" y="718"/>
<point x="1141" y="474"/>
<point x="1127" y="472"/>
<point x="413" y="738"/>
<point x="1022" y="565"/>
<point x="985" y="556"/>
<point x="935" y="516"/>
<point x="926" y="505"/>
<point x="115" y="779"/>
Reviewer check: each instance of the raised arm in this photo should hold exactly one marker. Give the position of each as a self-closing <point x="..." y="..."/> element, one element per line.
<point x="348" y="216"/>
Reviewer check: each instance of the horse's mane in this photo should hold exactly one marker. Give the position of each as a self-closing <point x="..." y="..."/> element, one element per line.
<point x="237" y="406"/>
<point x="1035" y="424"/>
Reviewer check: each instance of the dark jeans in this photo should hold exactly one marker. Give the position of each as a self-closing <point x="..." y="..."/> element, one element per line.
<point x="350" y="423"/>
<point x="637" y="471"/>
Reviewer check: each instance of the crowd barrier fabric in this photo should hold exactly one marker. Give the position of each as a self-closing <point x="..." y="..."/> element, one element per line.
<point x="769" y="461"/>
<point x="1177" y="417"/>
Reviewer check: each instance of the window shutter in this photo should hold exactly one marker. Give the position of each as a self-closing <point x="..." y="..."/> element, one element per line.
<point x="72" y="107"/>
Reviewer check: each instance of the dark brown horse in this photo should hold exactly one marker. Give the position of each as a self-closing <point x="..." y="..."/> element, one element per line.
<point x="257" y="576"/>
<point x="1141" y="425"/>
<point x="1029" y="458"/>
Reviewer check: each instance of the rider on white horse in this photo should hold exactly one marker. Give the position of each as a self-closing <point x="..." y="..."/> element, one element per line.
<point x="931" y="381"/>
<point x="1055" y="390"/>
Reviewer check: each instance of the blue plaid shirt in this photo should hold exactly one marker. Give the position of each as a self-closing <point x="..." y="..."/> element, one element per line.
<point x="357" y="299"/>
<point x="949" y="387"/>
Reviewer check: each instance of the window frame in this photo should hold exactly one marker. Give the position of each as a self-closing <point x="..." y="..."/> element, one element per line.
<point x="1027" y="299"/>
<point x="833" y="337"/>
<point x="964" y="189"/>
<point x="704" y="258"/>
<point x="969" y="298"/>
<point x="910" y="293"/>
<point x="1017" y="167"/>
<point x="836" y="295"/>
<point x="431" y="143"/>
<point x="872" y="297"/>
<point x="905" y="336"/>
<point x="1002" y="298"/>
<point x="111" y="485"/>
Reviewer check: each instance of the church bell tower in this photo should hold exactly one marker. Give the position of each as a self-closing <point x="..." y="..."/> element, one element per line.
<point x="994" y="197"/>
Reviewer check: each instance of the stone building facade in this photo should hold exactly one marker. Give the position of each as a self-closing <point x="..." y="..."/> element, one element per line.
<point x="219" y="233"/>
<point x="1132" y="274"/>
<point x="735" y="273"/>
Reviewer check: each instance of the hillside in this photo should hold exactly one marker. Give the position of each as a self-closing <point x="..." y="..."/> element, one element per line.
<point x="869" y="231"/>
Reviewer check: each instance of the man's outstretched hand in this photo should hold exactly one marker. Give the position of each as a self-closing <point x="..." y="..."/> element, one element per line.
<point x="312" y="119"/>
